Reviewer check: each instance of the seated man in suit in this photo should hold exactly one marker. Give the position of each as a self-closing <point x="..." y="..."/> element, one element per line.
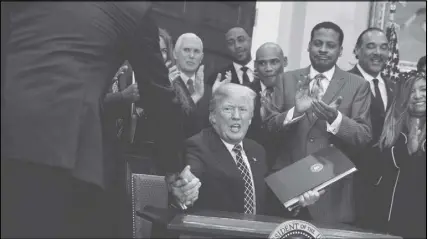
<point x="321" y="105"/>
<point x="189" y="85"/>
<point x="231" y="168"/>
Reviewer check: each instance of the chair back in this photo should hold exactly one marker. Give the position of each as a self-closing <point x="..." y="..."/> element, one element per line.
<point x="146" y="190"/>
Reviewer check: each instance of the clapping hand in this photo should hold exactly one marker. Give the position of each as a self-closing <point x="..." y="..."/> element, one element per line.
<point x="199" y="81"/>
<point x="326" y="112"/>
<point x="184" y="187"/>
<point x="414" y="135"/>
<point x="302" y="98"/>
<point x="174" y="73"/>
<point x="218" y="82"/>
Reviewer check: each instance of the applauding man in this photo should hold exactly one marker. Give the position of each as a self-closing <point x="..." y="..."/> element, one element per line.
<point x="188" y="80"/>
<point x="322" y="105"/>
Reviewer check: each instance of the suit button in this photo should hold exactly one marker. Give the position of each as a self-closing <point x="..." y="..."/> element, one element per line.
<point x="311" y="140"/>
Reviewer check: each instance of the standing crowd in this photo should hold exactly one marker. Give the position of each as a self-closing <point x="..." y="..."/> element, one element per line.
<point x="82" y="83"/>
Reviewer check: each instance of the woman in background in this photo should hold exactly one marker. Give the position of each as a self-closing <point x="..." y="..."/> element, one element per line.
<point x="403" y="144"/>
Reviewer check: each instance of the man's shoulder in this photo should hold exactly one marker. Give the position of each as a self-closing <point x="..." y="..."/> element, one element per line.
<point x="201" y="137"/>
<point x="249" y="143"/>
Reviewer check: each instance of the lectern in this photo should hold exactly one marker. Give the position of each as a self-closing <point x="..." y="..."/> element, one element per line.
<point x="172" y="223"/>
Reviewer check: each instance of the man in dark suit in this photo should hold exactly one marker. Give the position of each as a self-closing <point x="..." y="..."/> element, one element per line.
<point x="372" y="51"/>
<point x="243" y="71"/>
<point x="242" y="66"/>
<point x="321" y="105"/>
<point x="189" y="84"/>
<point x="269" y="64"/>
<point x="61" y="59"/>
<point x="230" y="167"/>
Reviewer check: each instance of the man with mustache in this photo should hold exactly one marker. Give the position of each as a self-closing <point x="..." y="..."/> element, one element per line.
<point x="372" y="51"/>
<point x="318" y="106"/>
<point x="230" y="167"/>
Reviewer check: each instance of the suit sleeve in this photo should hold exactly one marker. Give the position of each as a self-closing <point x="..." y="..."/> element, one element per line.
<point x="356" y="129"/>
<point x="193" y="157"/>
<point x="277" y="113"/>
<point x="152" y="77"/>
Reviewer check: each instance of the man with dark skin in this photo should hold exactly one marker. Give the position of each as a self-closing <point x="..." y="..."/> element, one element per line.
<point x="319" y="106"/>
<point x="269" y="65"/>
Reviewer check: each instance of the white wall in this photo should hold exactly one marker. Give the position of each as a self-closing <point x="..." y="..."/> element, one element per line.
<point x="290" y="23"/>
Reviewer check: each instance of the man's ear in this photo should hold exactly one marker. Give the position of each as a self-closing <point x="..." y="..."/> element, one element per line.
<point x="174" y="54"/>
<point x="285" y="61"/>
<point x="341" y="50"/>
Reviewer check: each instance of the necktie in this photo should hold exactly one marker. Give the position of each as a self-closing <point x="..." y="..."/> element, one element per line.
<point x="377" y="98"/>
<point x="190" y="86"/>
<point x="249" y="195"/>
<point x="317" y="91"/>
<point x="245" y="78"/>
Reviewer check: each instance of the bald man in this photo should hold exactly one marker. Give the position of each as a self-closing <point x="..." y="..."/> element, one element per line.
<point x="269" y="64"/>
<point x="190" y="87"/>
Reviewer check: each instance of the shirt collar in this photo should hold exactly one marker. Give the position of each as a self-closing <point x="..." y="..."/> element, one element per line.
<point x="368" y="77"/>
<point x="263" y="87"/>
<point x="185" y="78"/>
<point x="250" y="66"/>
<point x="328" y="74"/>
<point x="230" y="146"/>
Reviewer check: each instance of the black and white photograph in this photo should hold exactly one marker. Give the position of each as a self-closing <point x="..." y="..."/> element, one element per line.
<point x="206" y="119"/>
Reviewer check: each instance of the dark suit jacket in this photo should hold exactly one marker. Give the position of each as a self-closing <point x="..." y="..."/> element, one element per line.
<point x="369" y="170"/>
<point x="222" y="186"/>
<point x="198" y="118"/>
<point x="309" y="135"/>
<point x="223" y="71"/>
<point x="61" y="59"/>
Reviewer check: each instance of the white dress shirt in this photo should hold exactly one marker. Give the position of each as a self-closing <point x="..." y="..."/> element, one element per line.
<point x="244" y="157"/>
<point x="239" y="72"/>
<point x="332" y="128"/>
<point x="185" y="78"/>
<point x="381" y="85"/>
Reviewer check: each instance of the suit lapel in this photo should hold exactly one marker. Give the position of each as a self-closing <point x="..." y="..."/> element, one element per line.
<point x="389" y="92"/>
<point x="334" y="87"/>
<point x="235" y="78"/>
<point x="223" y="155"/>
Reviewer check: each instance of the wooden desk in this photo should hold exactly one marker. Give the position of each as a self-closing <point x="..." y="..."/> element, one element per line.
<point x="228" y="224"/>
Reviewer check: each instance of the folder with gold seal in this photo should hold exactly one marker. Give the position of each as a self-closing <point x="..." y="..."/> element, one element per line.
<point x="314" y="172"/>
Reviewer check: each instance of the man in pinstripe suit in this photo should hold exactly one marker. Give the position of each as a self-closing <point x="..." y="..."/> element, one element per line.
<point x="318" y="106"/>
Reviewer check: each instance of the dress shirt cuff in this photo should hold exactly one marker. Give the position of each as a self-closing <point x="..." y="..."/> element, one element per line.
<point x="289" y="117"/>
<point x="334" y="127"/>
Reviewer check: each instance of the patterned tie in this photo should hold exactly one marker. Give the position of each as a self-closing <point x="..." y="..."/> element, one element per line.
<point x="317" y="91"/>
<point x="249" y="194"/>
<point x="377" y="98"/>
<point x="190" y="86"/>
<point x="245" y="78"/>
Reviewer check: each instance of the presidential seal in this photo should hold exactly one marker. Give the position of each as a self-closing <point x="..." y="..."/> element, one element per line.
<point x="295" y="229"/>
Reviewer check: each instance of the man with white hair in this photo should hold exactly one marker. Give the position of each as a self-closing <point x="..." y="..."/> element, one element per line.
<point x="228" y="168"/>
<point x="190" y="87"/>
